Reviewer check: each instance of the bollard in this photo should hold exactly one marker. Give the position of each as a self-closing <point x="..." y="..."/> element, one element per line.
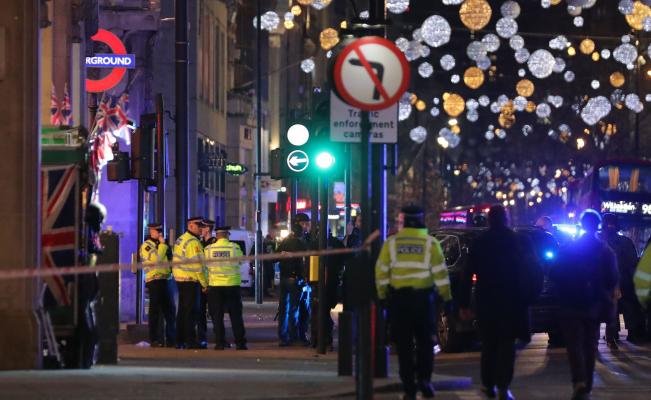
<point x="345" y="355"/>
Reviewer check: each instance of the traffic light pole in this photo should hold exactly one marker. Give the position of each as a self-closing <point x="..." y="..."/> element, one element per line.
<point x="323" y="243"/>
<point x="182" y="141"/>
<point x="258" y="166"/>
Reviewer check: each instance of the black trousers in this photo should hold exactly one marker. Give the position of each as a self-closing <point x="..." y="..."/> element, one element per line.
<point x="497" y="352"/>
<point x="288" y="304"/>
<point x="582" y="341"/>
<point x="633" y="313"/>
<point x="221" y="299"/>
<point x="186" y="319"/>
<point x="161" y="304"/>
<point x="202" y="322"/>
<point x="412" y="318"/>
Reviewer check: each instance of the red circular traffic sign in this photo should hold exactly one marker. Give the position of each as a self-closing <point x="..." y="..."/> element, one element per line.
<point x="371" y="73"/>
<point x="116" y="74"/>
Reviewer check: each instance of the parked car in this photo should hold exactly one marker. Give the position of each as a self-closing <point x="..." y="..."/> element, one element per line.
<point x="455" y="334"/>
<point x="246" y="241"/>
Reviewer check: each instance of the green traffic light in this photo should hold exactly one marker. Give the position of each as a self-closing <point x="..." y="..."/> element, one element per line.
<point x="325" y="160"/>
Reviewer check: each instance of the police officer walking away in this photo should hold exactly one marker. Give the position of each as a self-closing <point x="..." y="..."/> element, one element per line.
<point x="628" y="304"/>
<point x="224" y="280"/>
<point x="497" y="258"/>
<point x="586" y="277"/>
<point x="292" y="274"/>
<point x="153" y="251"/>
<point x="191" y="280"/>
<point x="408" y="273"/>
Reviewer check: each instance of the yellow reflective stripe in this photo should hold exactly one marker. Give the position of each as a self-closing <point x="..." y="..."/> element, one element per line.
<point x="439" y="268"/>
<point x="416" y="275"/>
<point x="428" y="251"/>
<point x="392" y="250"/>
<point x="645" y="276"/>
<point x="383" y="267"/>
<point x="188" y="268"/>
<point x="442" y="282"/>
<point x="411" y="264"/>
<point x="642" y="292"/>
<point x="382" y="282"/>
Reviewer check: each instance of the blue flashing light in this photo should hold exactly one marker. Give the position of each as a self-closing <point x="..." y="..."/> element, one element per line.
<point x="549" y="255"/>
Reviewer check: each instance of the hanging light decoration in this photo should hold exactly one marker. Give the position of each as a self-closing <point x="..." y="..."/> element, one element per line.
<point x="473" y="77"/>
<point x="397" y="6"/>
<point x="541" y="63"/>
<point x="636" y="18"/>
<point x="418" y="134"/>
<point x="586" y="46"/>
<point x="320" y="4"/>
<point x="305" y="2"/>
<point x="510" y="9"/>
<point x="475" y="14"/>
<point x="453" y="104"/>
<point x="329" y="38"/>
<point x="506" y="27"/>
<point x="296" y="10"/>
<point x="617" y="79"/>
<point x="595" y="109"/>
<point x="425" y="70"/>
<point x="307" y="65"/>
<point x="436" y="31"/>
<point x="524" y="88"/>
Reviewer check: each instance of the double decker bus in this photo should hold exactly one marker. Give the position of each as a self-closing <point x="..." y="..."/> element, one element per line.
<point x="621" y="187"/>
<point x="464" y="216"/>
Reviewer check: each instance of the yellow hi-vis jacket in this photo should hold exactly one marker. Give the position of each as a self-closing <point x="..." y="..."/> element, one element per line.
<point x="225" y="273"/>
<point x="642" y="278"/>
<point x="412" y="258"/>
<point x="150" y="253"/>
<point x="186" y="248"/>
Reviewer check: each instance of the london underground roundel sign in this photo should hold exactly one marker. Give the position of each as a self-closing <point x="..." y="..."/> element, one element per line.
<point x="119" y="61"/>
<point x="371" y="73"/>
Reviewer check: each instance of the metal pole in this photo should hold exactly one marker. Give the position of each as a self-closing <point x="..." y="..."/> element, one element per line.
<point x="182" y="98"/>
<point x="364" y="379"/>
<point x="347" y="180"/>
<point x="160" y="162"/>
<point x="258" y="175"/>
<point x="381" y="353"/>
<point x="141" y="217"/>
<point x="323" y="243"/>
<point x="293" y="198"/>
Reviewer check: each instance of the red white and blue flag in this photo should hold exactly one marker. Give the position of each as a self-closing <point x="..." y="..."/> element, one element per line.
<point x="66" y="108"/>
<point x="55" y="109"/>
<point x="59" y="228"/>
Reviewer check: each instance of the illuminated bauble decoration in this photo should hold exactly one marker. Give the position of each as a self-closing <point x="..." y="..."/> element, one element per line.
<point x="595" y="109"/>
<point x="545" y="3"/>
<point x="402" y="44"/>
<point x="522" y="55"/>
<point x="404" y="110"/>
<point x="320" y="4"/>
<point x="329" y="38"/>
<point x="413" y="50"/>
<point x="364" y="15"/>
<point x="270" y="21"/>
<point x="633" y="103"/>
<point x="491" y="41"/>
<point x="516" y="42"/>
<point x="420" y="105"/>
<point x="424" y="51"/>
<point x="568" y="76"/>
<point x="522" y="73"/>
<point x="454" y="105"/>
<point x="418" y="134"/>
<point x="648" y="51"/>
<point x="541" y="63"/>
<point x="574" y="10"/>
<point x="307" y="65"/>
<point x="506" y="27"/>
<point x="434" y="112"/>
<point x="397" y="6"/>
<point x="500" y="133"/>
<point x="506" y="120"/>
<point x="586" y="46"/>
<point x="455" y="78"/>
<point x="305" y="2"/>
<point x="288" y="24"/>
<point x="647" y="98"/>
<point x="289" y="16"/>
<point x="519" y="103"/>
<point x="416" y="35"/>
<point x="605" y="54"/>
<point x="559" y="43"/>
<point x="436" y="31"/>
<point x="476" y="50"/>
<point x="483" y="100"/>
<point x="617" y="79"/>
<point x="559" y="65"/>
<point x="625" y="53"/>
<point x="526" y="130"/>
<point x="447" y="62"/>
<point x="626" y="38"/>
<point x="473" y="77"/>
<point x="531" y="107"/>
<point x="595" y="84"/>
<point x="543" y="110"/>
<point x="626" y="7"/>
<point x="475" y="14"/>
<point x="452" y="2"/>
<point x="425" y="70"/>
<point x="524" y="88"/>
<point x="472" y="104"/>
<point x="296" y="10"/>
<point x="510" y="9"/>
<point x="484" y="63"/>
<point x="556" y="101"/>
<point x="489" y="135"/>
<point x="578" y="21"/>
<point x="636" y="18"/>
<point x="472" y="116"/>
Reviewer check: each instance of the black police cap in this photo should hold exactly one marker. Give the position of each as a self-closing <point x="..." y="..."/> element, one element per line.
<point x="209" y="223"/>
<point x="197" y="220"/>
<point x="155" y="225"/>
<point x="412" y="211"/>
<point x="223" y="229"/>
<point x="301" y="217"/>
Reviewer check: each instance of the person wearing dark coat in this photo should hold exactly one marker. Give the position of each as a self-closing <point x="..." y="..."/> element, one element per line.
<point x="628" y="304"/>
<point x="495" y="259"/>
<point x="586" y="277"/>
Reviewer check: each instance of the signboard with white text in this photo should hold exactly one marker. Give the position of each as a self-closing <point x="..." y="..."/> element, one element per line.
<point x="345" y="123"/>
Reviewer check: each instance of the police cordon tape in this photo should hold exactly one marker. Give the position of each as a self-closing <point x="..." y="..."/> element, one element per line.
<point x="102" y="268"/>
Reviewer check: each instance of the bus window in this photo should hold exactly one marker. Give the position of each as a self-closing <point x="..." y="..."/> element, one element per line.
<point x="625" y="178"/>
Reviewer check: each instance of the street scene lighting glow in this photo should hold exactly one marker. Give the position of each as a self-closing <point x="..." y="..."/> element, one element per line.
<point x="325" y="160"/>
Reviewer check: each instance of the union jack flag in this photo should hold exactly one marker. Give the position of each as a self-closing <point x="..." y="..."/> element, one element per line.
<point x="121" y="111"/>
<point x="59" y="229"/>
<point x="66" y="108"/>
<point x="55" y="109"/>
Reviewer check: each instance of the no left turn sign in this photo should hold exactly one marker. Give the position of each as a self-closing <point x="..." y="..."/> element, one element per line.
<point x="371" y="73"/>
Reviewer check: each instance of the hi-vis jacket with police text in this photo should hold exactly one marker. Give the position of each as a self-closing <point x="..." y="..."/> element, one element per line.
<point x="642" y="278"/>
<point x="412" y="258"/>
<point x="188" y="248"/>
<point x="151" y="253"/>
<point x="226" y="273"/>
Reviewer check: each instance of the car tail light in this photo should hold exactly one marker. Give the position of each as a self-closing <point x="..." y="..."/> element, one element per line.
<point x="474" y="278"/>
